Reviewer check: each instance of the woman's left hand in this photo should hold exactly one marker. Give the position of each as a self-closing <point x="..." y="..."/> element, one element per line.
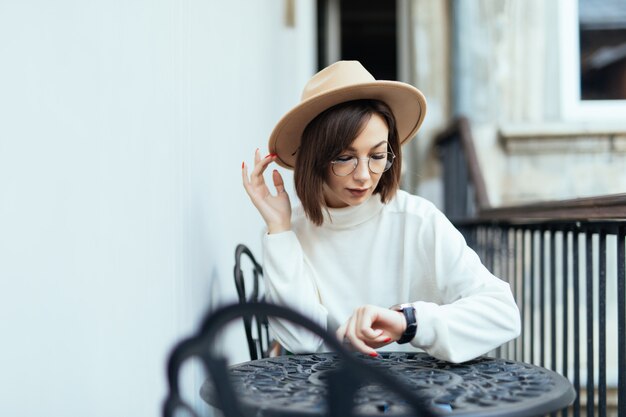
<point x="371" y="327"/>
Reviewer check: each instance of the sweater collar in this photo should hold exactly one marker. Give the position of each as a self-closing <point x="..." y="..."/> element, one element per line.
<point x="346" y="217"/>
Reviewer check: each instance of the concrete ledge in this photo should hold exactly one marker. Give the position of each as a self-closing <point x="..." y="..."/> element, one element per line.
<point x="562" y="129"/>
<point x="563" y="138"/>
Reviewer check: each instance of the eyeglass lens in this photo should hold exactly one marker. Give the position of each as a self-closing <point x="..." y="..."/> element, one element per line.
<point x="378" y="163"/>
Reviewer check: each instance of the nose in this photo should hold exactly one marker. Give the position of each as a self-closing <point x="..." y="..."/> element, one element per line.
<point x="362" y="171"/>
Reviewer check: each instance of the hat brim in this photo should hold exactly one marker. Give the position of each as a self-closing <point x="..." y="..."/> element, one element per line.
<point x="405" y="101"/>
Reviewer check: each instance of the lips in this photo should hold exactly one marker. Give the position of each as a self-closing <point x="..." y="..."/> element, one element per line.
<point x="358" y="192"/>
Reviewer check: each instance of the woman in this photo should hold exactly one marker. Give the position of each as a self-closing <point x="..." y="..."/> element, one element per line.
<point x="357" y="245"/>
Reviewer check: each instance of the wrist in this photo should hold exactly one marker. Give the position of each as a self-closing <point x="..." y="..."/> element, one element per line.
<point x="403" y="323"/>
<point x="278" y="228"/>
<point x="410" y="322"/>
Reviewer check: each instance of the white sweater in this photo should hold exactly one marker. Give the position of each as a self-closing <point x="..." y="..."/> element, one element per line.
<point x="384" y="254"/>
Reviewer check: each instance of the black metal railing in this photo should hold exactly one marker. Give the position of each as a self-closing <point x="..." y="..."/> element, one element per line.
<point x="565" y="262"/>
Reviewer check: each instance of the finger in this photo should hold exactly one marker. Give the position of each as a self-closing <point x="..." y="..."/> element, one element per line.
<point x="258" y="159"/>
<point x="355" y="341"/>
<point x="244" y="175"/>
<point x="279" y="184"/>
<point x="259" y="168"/>
<point x="360" y="346"/>
<point x="366" y="335"/>
<point x="371" y="334"/>
<point x="380" y="343"/>
<point x="365" y="319"/>
<point x="247" y="184"/>
<point x="383" y="338"/>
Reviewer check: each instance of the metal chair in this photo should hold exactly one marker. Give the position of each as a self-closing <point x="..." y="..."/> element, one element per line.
<point x="343" y="382"/>
<point x="259" y="344"/>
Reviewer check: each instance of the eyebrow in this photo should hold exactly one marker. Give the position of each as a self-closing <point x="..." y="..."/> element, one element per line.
<point x="350" y="148"/>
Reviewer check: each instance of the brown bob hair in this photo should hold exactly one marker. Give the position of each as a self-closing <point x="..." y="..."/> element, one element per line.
<point x="326" y="137"/>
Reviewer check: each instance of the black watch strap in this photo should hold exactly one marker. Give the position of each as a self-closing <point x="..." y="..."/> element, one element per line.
<point x="411" y="322"/>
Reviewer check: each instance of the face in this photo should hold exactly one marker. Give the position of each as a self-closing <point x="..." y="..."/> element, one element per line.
<point x="357" y="187"/>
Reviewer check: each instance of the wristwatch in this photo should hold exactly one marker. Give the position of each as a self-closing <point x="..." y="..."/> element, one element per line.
<point x="411" y="323"/>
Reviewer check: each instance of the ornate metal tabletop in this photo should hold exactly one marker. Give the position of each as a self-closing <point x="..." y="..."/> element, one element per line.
<point x="295" y="386"/>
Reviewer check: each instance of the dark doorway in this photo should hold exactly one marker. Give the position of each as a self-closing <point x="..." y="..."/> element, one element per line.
<point x="367" y="33"/>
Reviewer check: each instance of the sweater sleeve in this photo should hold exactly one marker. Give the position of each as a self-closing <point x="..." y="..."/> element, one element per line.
<point x="289" y="282"/>
<point x="478" y="312"/>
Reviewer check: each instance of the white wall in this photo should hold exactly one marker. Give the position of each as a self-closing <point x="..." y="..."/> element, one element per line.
<point x="123" y="125"/>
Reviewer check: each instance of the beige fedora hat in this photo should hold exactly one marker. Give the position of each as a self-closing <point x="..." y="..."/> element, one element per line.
<point x="340" y="82"/>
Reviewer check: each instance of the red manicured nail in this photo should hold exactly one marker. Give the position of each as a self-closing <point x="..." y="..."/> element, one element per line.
<point x="242" y="165"/>
<point x="387" y="340"/>
<point x="374" y="355"/>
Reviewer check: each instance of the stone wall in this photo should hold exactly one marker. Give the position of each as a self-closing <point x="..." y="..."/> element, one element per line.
<point x="498" y="63"/>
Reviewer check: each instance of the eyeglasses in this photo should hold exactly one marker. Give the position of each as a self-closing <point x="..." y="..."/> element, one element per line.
<point x="378" y="163"/>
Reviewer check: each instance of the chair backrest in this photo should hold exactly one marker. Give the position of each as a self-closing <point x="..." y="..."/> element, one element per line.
<point x="342" y="381"/>
<point x="255" y="326"/>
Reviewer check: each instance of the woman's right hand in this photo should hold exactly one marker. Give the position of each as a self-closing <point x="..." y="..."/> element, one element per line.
<point x="275" y="209"/>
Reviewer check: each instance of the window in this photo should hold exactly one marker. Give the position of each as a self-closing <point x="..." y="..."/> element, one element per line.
<point x="593" y="59"/>
<point x="602" y="32"/>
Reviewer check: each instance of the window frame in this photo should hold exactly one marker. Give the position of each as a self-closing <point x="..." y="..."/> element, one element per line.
<point x="572" y="107"/>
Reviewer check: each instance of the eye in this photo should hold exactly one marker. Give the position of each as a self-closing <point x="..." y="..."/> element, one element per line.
<point x="379" y="156"/>
<point x="342" y="159"/>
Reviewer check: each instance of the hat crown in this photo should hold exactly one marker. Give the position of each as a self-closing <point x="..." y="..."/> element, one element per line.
<point x="341" y="74"/>
<point x="338" y="83"/>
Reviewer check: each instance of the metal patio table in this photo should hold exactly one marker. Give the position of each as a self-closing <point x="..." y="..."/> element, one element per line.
<point x="294" y="385"/>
